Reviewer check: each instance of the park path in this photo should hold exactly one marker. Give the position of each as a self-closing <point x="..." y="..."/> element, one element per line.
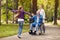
<point x="52" y="33"/>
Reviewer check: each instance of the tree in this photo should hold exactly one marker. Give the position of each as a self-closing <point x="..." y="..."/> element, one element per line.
<point x="15" y="4"/>
<point x="34" y="3"/>
<point x="0" y="12"/>
<point x="15" y="7"/>
<point x="55" y="11"/>
<point x="7" y="11"/>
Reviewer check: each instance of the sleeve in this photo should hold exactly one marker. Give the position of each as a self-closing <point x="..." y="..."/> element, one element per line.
<point x="15" y="11"/>
<point x="32" y="19"/>
<point x="27" y="13"/>
<point x="43" y="14"/>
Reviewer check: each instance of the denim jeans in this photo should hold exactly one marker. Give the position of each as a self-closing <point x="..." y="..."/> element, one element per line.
<point x="37" y="26"/>
<point x="32" y="25"/>
<point x="43" y="28"/>
<point x="20" y="28"/>
<point x="31" y="28"/>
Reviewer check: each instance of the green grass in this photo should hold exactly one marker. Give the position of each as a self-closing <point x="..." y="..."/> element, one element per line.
<point x="58" y="25"/>
<point x="11" y="29"/>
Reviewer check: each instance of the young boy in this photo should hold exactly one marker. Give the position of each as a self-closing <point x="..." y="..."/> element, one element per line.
<point x="36" y="24"/>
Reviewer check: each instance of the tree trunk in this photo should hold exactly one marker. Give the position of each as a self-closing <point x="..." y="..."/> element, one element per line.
<point x="15" y="7"/>
<point x="55" y="12"/>
<point x="0" y="12"/>
<point x="34" y="3"/>
<point x="30" y="10"/>
<point x="6" y="11"/>
<point x="13" y="12"/>
<point x="16" y="4"/>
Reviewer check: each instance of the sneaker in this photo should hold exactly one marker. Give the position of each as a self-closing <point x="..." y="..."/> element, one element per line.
<point x="34" y="33"/>
<point x="19" y="36"/>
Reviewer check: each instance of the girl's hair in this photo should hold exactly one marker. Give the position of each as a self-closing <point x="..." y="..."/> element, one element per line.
<point x="19" y="7"/>
<point x="42" y="5"/>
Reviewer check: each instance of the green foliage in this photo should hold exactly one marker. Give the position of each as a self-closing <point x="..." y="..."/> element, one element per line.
<point x="48" y="6"/>
<point x="4" y="10"/>
<point x="26" y="5"/>
<point x="26" y="18"/>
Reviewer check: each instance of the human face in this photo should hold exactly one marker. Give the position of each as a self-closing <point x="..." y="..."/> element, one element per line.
<point x="40" y="6"/>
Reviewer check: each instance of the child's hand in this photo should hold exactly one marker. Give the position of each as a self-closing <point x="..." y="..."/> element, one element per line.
<point x="32" y="14"/>
<point x="29" y="16"/>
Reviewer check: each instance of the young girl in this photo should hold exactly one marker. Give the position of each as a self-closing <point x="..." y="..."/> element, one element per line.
<point x="20" y="18"/>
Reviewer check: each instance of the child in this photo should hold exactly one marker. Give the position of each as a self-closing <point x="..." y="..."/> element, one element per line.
<point x="20" y="18"/>
<point x="37" y="22"/>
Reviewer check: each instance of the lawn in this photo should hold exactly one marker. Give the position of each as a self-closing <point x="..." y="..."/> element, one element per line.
<point x="11" y="29"/>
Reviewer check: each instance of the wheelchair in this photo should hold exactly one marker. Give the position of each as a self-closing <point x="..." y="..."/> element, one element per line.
<point x="41" y="28"/>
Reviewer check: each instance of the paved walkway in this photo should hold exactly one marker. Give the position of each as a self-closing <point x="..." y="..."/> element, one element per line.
<point x="52" y="33"/>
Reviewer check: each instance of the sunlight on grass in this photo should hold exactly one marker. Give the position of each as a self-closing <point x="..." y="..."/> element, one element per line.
<point x="11" y="29"/>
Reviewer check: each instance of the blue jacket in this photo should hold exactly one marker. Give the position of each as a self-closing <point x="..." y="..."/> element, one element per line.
<point x="35" y="19"/>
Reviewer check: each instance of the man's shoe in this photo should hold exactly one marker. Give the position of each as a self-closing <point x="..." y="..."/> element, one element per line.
<point x="34" y="33"/>
<point x="40" y="33"/>
<point x="30" y="32"/>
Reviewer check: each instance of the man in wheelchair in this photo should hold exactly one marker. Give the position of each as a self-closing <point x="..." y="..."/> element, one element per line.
<point x="36" y="22"/>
